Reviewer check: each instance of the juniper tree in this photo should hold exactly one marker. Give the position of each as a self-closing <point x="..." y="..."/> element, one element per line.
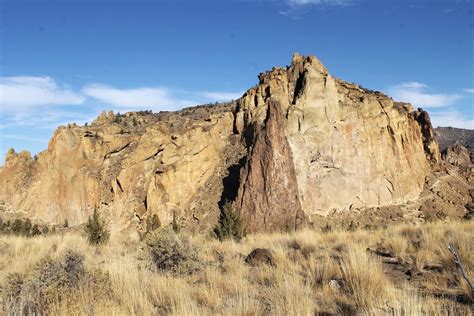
<point x="96" y="230"/>
<point x="230" y="224"/>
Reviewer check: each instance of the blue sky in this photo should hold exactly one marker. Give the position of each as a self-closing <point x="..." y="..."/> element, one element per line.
<point x="66" y="61"/>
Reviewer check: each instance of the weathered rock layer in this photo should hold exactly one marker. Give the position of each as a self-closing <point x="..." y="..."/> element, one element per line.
<point x="300" y="143"/>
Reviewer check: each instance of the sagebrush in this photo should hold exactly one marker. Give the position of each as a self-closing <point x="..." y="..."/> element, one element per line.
<point x="165" y="250"/>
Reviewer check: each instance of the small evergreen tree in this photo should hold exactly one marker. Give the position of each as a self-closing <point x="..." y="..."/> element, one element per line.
<point x="153" y="222"/>
<point x="26" y="227"/>
<point x="230" y="224"/>
<point x="35" y="231"/>
<point x="96" y="231"/>
<point x="44" y="230"/>
<point x="66" y="223"/>
<point x="175" y="224"/>
<point x="17" y="226"/>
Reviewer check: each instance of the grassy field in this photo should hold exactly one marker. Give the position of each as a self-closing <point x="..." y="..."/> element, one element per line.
<point x="401" y="270"/>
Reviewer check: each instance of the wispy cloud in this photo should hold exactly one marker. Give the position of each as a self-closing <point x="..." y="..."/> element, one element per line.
<point x="23" y="95"/>
<point x="468" y="90"/>
<point x="42" y="102"/>
<point x="295" y="9"/>
<point x="153" y="98"/>
<point x="420" y="95"/>
<point x="222" y="96"/>
<point x="451" y="118"/>
<point x="19" y="94"/>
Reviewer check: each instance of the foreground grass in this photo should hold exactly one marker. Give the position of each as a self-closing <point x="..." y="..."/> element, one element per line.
<point x="313" y="273"/>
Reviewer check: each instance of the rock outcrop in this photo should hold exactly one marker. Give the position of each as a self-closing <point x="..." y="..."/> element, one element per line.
<point x="450" y="137"/>
<point x="349" y="147"/>
<point x="128" y="167"/>
<point x="301" y="143"/>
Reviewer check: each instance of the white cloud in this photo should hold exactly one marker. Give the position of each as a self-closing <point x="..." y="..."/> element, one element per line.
<point x="451" y="118"/>
<point x="19" y="94"/>
<point x="468" y="90"/>
<point x="418" y="94"/>
<point x="149" y="98"/>
<point x="28" y="94"/>
<point x="222" y="96"/>
<point x="41" y="102"/>
<point x="413" y="85"/>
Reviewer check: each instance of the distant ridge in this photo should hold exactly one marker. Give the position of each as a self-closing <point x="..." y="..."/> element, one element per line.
<point x="450" y="136"/>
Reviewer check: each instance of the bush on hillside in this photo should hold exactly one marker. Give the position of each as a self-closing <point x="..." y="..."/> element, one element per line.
<point x="20" y="227"/>
<point x="50" y="282"/>
<point x="96" y="230"/>
<point x="174" y="224"/>
<point x="166" y="251"/>
<point x="35" y="231"/>
<point x="152" y="223"/>
<point x="17" y="227"/>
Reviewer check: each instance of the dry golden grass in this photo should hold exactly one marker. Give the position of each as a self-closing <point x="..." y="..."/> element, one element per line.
<point x="314" y="273"/>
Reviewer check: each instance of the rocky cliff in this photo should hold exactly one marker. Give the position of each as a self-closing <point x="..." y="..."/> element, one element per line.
<point x="301" y="143"/>
<point x="450" y="137"/>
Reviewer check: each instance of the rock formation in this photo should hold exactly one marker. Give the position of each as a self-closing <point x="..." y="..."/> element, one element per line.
<point x="299" y="144"/>
<point x="450" y="136"/>
<point x="349" y="147"/>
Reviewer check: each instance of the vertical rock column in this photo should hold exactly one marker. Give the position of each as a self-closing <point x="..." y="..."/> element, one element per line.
<point x="268" y="193"/>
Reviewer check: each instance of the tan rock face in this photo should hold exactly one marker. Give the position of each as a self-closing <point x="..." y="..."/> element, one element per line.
<point x="127" y="167"/>
<point x="350" y="147"/>
<point x="457" y="155"/>
<point x="300" y="143"/>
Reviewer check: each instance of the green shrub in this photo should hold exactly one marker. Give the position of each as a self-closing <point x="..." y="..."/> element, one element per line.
<point x="152" y="223"/>
<point x="174" y="224"/>
<point x="45" y="229"/>
<point x="166" y="251"/>
<point x="96" y="230"/>
<point x="2" y="226"/>
<point x="66" y="224"/>
<point x="20" y="227"/>
<point x="26" y="227"/>
<point x="470" y="211"/>
<point x="35" y="231"/>
<point x="230" y="224"/>
<point x="17" y="227"/>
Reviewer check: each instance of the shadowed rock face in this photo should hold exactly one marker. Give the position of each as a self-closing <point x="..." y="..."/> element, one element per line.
<point x="268" y="196"/>
<point x="300" y="143"/>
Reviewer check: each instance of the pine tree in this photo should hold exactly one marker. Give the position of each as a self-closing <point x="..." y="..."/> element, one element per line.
<point x="35" y="231"/>
<point x="17" y="226"/>
<point x="230" y="224"/>
<point x="175" y="224"/>
<point x="96" y="231"/>
<point x="26" y="227"/>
